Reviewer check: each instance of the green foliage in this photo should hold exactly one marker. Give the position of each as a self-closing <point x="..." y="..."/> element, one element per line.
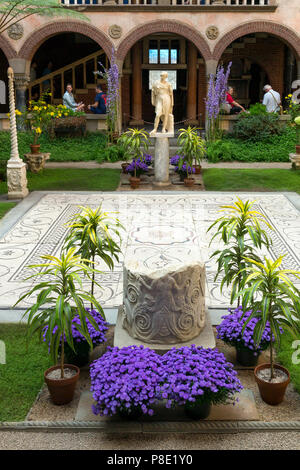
<point x="240" y="231"/>
<point x="284" y="355"/>
<point x="135" y="143"/>
<point x="112" y="153"/>
<point x="14" y="11"/>
<point x="293" y="107"/>
<point x="257" y="127"/>
<point x="276" y="150"/>
<point x="258" y="109"/>
<point x="55" y="297"/>
<point x="95" y="233"/>
<point x="22" y="377"/>
<point x="220" y="150"/>
<point x="5" y="207"/>
<point x="271" y="294"/>
<point x="191" y="146"/>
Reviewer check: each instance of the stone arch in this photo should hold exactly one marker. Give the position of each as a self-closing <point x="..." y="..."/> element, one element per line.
<point x="163" y="26"/>
<point x="7" y="48"/>
<point x="40" y="35"/>
<point x="286" y="34"/>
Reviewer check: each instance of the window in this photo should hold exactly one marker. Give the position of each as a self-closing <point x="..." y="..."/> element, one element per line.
<point x="163" y="51"/>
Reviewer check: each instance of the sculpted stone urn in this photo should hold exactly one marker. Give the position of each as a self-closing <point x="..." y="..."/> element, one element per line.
<point x="166" y="306"/>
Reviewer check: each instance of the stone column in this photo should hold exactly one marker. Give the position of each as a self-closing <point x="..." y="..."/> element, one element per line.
<point x="137" y="85"/>
<point x="192" y="85"/>
<point x="16" y="168"/>
<point x="21" y="83"/>
<point x="298" y="69"/>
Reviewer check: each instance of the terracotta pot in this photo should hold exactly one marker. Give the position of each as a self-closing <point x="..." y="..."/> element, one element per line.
<point x="298" y="149"/>
<point x="246" y="357"/>
<point x="35" y="148"/>
<point x="196" y="410"/>
<point x="124" y="166"/>
<point x="271" y="393"/>
<point x="134" y="182"/>
<point x="62" y="390"/>
<point x="189" y="182"/>
<point x="197" y="169"/>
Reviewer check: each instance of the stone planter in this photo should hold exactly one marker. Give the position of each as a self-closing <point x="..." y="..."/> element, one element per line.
<point x="36" y="162"/>
<point x="130" y="414"/>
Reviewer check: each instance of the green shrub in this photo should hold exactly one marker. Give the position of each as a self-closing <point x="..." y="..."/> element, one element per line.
<point x="257" y="109"/>
<point x="257" y="128"/>
<point x="219" y="150"/>
<point x="112" y="153"/>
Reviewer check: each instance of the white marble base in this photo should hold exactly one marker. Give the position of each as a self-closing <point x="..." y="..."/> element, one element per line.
<point x="16" y="180"/>
<point x="162" y="160"/>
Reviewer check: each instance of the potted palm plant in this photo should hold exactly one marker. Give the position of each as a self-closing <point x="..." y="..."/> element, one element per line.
<point x="135" y="143"/>
<point x="53" y="311"/>
<point x="274" y="299"/>
<point x="95" y="233"/>
<point x="240" y="229"/>
<point x="192" y="147"/>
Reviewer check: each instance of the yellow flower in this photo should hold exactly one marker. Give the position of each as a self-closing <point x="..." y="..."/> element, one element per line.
<point x="35" y="108"/>
<point x="49" y="94"/>
<point x="8" y="115"/>
<point x="52" y="114"/>
<point x="290" y="95"/>
<point x="38" y="130"/>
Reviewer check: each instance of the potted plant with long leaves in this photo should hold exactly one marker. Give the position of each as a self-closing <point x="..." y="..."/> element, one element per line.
<point x="192" y="147"/>
<point x="95" y="233"/>
<point x="135" y="143"/>
<point x="53" y="311"/>
<point x="241" y="232"/>
<point x="273" y="298"/>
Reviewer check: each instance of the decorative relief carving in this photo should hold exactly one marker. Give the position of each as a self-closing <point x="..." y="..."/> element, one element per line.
<point x="166" y="306"/>
<point x="212" y="32"/>
<point x="15" y="31"/>
<point x="115" y="31"/>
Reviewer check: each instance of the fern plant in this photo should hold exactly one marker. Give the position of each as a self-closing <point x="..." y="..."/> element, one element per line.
<point x="241" y="233"/>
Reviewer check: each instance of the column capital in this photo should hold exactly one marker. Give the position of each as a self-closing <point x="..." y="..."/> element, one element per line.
<point x="21" y="80"/>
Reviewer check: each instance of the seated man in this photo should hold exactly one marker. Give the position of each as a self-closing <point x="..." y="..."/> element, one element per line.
<point x="69" y="101"/>
<point x="99" y="107"/>
<point x="236" y="108"/>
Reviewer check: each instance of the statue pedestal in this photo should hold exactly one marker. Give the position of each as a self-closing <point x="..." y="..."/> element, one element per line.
<point x="16" y="180"/>
<point x="161" y="158"/>
<point x="295" y="159"/>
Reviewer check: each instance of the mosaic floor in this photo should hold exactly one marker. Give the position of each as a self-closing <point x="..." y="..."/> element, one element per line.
<point x="161" y="229"/>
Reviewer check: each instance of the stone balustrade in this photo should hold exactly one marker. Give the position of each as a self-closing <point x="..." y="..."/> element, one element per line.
<point x="222" y="4"/>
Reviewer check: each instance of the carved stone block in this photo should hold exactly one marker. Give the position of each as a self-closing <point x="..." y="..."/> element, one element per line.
<point x="166" y="306"/>
<point x="16" y="180"/>
<point x="36" y="161"/>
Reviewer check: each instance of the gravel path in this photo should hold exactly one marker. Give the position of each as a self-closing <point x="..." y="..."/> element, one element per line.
<point x="99" y="441"/>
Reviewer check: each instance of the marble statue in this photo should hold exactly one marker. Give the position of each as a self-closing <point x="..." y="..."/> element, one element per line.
<point x="164" y="306"/>
<point x="162" y="99"/>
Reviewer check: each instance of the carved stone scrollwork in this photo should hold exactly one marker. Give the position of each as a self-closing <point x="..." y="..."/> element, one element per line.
<point x="166" y="306"/>
<point x="212" y="32"/>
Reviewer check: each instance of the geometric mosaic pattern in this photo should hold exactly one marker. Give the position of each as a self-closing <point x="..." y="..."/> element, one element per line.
<point x="160" y="230"/>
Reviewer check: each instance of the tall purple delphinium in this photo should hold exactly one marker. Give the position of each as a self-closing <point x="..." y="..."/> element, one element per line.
<point x="111" y="76"/>
<point x="216" y="96"/>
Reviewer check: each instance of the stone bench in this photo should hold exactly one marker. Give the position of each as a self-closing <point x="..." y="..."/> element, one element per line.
<point x="94" y="122"/>
<point x="227" y="121"/>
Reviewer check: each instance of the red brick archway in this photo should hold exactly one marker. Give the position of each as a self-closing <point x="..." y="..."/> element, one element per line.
<point x="163" y="26"/>
<point x="287" y="35"/>
<point x="34" y="41"/>
<point x="7" y="48"/>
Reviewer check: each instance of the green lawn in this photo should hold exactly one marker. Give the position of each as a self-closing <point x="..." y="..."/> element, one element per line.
<point x="219" y="179"/>
<point x="56" y="179"/>
<point x="285" y="355"/>
<point x="5" y="207"/>
<point x="21" y="377"/>
<point x="74" y="149"/>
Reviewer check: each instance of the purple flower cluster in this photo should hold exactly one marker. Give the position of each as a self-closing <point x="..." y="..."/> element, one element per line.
<point x="230" y="331"/>
<point x="216" y="94"/>
<point x="198" y="374"/>
<point x="174" y="161"/>
<point x="137" y="166"/>
<point x="184" y="169"/>
<point x="148" y="159"/>
<point x="126" y="378"/>
<point x="97" y="337"/>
